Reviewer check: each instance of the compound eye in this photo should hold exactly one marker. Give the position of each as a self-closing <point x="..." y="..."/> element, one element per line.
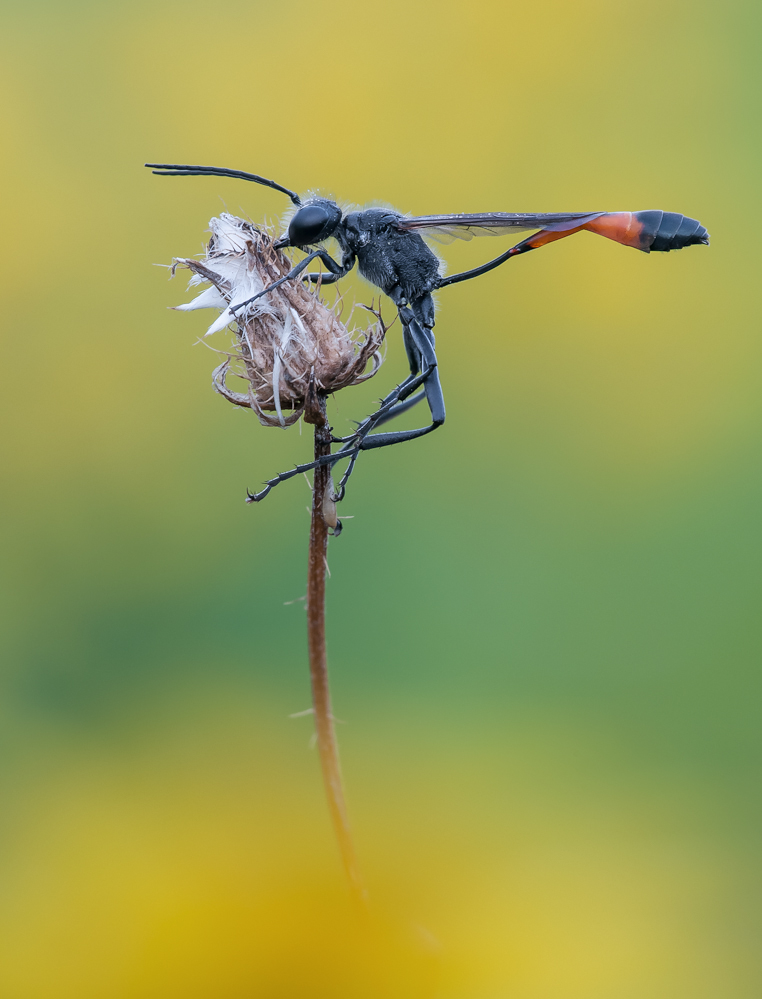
<point x="307" y="224"/>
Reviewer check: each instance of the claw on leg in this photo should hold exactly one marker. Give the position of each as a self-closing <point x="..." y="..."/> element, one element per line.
<point x="328" y="459"/>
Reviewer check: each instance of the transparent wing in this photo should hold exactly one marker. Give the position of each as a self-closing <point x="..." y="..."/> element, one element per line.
<point x="445" y="228"/>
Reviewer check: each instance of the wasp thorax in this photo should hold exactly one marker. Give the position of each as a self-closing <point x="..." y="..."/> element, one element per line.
<point x="288" y="343"/>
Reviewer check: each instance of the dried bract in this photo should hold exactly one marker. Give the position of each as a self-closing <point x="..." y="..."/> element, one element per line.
<point x="286" y="341"/>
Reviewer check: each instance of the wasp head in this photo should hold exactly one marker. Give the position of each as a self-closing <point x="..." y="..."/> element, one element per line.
<point x="312" y="223"/>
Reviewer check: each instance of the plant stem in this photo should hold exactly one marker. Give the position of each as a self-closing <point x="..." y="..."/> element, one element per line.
<point x="321" y="696"/>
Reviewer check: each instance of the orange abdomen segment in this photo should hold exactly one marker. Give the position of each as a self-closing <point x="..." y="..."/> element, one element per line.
<point x="546" y="236"/>
<point x="622" y="227"/>
<point x="646" y="231"/>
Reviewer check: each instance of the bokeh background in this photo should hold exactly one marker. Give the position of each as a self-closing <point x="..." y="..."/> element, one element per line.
<point x="544" y="626"/>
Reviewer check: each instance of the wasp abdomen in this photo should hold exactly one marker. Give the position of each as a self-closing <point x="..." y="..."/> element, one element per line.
<point x="650" y="230"/>
<point x="664" y="231"/>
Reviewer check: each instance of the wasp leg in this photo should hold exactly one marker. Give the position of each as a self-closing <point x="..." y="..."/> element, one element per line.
<point x="337" y="271"/>
<point x="400" y="408"/>
<point x="387" y="408"/>
<point x="362" y="439"/>
<point x="329" y="459"/>
<point x="392" y="405"/>
<point x="323" y="278"/>
<point x="377" y="420"/>
<point x="419" y="342"/>
<point x="541" y="238"/>
<point x="350" y="450"/>
<point x="478" y="271"/>
<point x="423" y="340"/>
<point x="413" y="354"/>
<point x="339" y="494"/>
<point x="333" y="266"/>
<point x="435" y="400"/>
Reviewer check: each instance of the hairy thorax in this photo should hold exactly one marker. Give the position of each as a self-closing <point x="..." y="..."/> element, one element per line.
<point x="399" y="263"/>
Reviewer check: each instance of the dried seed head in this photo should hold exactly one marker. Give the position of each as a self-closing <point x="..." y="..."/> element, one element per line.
<point x="287" y="340"/>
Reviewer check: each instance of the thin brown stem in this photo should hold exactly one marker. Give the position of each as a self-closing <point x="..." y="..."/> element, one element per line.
<point x="321" y="696"/>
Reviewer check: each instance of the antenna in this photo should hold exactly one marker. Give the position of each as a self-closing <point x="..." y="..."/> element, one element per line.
<point x="175" y="170"/>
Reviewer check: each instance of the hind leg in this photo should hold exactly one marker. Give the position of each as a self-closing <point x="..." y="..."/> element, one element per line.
<point x="421" y="351"/>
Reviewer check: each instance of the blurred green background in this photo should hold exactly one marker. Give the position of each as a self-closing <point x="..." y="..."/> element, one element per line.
<point x="543" y="620"/>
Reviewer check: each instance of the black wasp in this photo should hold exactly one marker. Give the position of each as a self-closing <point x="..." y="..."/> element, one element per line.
<point x="391" y="253"/>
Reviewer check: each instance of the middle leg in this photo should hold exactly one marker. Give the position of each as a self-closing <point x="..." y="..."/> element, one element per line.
<point x="397" y="401"/>
<point x="419" y="342"/>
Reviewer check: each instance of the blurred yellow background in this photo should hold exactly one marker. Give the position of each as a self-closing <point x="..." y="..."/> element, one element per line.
<point x="543" y="620"/>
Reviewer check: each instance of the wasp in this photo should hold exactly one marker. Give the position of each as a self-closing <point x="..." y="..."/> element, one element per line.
<point x="391" y="253"/>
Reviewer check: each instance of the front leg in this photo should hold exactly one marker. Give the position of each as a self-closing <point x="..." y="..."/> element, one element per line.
<point x="336" y="271"/>
<point x="335" y="268"/>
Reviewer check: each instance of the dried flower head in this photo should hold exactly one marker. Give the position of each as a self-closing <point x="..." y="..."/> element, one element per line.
<point x="288" y="342"/>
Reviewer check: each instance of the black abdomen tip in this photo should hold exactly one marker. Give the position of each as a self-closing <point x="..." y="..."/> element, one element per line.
<point x="665" y="231"/>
